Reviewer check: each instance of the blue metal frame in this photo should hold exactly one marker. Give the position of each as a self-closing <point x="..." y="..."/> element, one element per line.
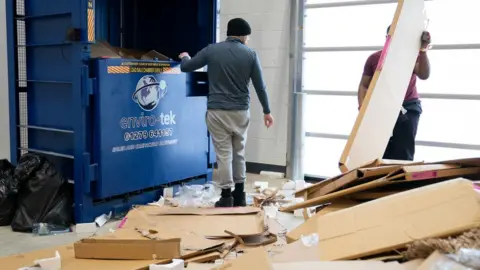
<point x="61" y="89"/>
<point x="12" y="79"/>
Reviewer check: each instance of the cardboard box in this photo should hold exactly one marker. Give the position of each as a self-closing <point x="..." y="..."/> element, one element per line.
<point x="389" y="223"/>
<point x="116" y="249"/>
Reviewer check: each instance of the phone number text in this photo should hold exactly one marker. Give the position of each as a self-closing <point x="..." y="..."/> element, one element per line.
<point x="148" y="134"/>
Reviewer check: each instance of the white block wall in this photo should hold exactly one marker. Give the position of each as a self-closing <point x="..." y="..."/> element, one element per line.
<point x="270" y="22"/>
<point x="4" y="113"/>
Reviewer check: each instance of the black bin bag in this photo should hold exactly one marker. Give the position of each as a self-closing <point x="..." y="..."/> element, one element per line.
<point x="8" y="192"/>
<point x="44" y="195"/>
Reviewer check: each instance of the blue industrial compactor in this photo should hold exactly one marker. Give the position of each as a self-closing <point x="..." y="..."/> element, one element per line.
<point x="120" y="129"/>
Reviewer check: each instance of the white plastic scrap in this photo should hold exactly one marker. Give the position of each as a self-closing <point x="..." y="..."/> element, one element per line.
<point x="219" y="262"/>
<point x="310" y="240"/>
<point x="102" y="219"/>
<point x="54" y="263"/>
<point x="468" y="257"/>
<point x="159" y="203"/>
<point x="174" y="265"/>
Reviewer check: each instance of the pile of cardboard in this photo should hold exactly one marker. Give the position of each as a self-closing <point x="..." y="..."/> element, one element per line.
<point x="103" y="49"/>
<point x="381" y="178"/>
<point x="156" y="235"/>
<point x="372" y="215"/>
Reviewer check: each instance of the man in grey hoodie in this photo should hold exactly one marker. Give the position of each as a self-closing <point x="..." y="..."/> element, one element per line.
<point x="231" y="67"/>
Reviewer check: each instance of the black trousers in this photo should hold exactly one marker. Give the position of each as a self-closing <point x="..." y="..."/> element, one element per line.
<point x="402" y="144"/>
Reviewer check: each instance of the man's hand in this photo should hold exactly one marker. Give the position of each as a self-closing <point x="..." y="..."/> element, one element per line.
<point x="426" y="39"/>
<point x="268" y="119"/>
<point x="183" y="54"/>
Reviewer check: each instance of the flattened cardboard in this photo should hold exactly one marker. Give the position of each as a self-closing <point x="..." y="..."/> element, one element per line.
<point x="208" y="257"/>
<point x="203" y="225"/>
<point x="381" y="106"/>
<point x="102" y="50"/>
<point x="154" y="55"/>
<point x="371" y="195"/>
<point x="256" y="258"/>
<point x="191" y="244"/>
<point x="351" y="177"/>
<point x="207" y="211"/>
<point x="392" y="222"/>
<point x="339" y="265"/>
<point x="69" y="262"/>
<point x="116" y="249"/>
<point x="425" y="173"/>
<point x="419" y="172"/>
<point x="403" y="174"/>
<point x="200" y="266"/>
<point x="294" y="252"/>
<point x="310" y="226"/>
<point x="259" y="259"/>
<point x="375" y="168"/>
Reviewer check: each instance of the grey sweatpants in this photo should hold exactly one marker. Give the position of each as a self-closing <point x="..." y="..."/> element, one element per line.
<point x="229" y="135"/>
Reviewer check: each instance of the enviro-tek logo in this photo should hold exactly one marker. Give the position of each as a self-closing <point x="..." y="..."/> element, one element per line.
<point x="149" y="92"/>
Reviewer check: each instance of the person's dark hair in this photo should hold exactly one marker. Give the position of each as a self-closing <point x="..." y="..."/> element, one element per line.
<point x="388" y="29"/>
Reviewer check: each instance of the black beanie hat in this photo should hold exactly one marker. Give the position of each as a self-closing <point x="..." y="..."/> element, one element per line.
<point x="238" y="27"/>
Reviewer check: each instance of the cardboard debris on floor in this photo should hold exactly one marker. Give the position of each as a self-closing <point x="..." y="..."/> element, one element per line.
<point x="392" y="222"/>
<point x="384" y="215"/>
<point x="381" y="176"/>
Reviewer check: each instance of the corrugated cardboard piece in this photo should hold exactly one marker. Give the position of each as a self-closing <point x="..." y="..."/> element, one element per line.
<point x="259" y="259"/>
<point x="205" y="222"/>
<point x="206" y="211"/>
<point x="392" y="222"/>
<point x="191" y="244"/>
<point x="69" y="262"/>
<point x="117" y="249"/>
<point x="376" y="168"/>
<point x="401" y="174"/>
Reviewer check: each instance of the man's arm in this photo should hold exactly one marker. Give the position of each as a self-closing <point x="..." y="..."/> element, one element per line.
<point x="422" y="68"/>
<point x="259" y="85"/>
<point x="198" y="61"/>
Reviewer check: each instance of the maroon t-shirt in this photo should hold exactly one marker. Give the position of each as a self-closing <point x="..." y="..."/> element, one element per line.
<point x="371" y="66"/>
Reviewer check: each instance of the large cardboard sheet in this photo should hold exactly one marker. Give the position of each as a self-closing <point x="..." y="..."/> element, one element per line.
<point x="378" y="114"/>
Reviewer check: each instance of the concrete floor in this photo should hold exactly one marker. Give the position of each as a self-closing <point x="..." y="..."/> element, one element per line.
<point x="15" y="243"/>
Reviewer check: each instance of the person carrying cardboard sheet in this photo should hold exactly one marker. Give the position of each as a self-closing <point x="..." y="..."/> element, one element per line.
<point x="231" y="67"/>
<point x="402" y="143"/>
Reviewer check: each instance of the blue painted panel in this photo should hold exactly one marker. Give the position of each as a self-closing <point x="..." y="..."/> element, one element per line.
<point x="50" y="105"/>
<point x="57" y="29"/>
<point x="150" y="132"/>
<point x="50" y="7"/>
<point x="50" y="63"/>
